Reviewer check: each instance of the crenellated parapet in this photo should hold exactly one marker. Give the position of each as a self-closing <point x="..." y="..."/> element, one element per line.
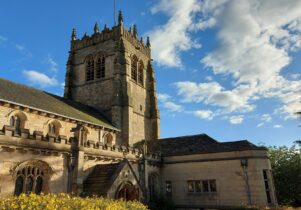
<point x="37" y="143"/>
<point x="114" y="33"/>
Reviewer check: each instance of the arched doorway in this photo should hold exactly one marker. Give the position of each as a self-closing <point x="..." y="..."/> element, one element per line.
<point x="128" y="192"/>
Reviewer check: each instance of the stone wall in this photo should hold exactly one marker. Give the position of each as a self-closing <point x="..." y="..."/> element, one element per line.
<point x="230" y="178"/>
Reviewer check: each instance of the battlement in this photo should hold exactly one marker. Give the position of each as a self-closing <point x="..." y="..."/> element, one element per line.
<point x="114" y="33"/>
<point x="37" y="143"/>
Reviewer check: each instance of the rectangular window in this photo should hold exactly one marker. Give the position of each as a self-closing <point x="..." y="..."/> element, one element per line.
<point x="168" y="187"/>
<point x="190" y="186"/>
<point x="212" y="184"/>
<point x="205" y="186"/>
<point x="266" y="185"/>
<point x="198" y="186"/>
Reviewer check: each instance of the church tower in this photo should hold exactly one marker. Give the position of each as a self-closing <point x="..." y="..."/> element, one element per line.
<point x="112" y="72"/>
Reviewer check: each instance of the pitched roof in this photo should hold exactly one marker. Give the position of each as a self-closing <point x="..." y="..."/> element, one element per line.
<point x="195" y="144"/>
<point x="40" y="100"/>
<point x="101" y="178"/>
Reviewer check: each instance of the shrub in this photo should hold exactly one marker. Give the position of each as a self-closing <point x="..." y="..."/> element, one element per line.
<point x="65" y="202"/>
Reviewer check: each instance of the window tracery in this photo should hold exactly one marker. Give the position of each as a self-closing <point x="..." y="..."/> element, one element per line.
<point x="140" y="73"/>
<point x="30" y="179"/>
<point x="90" y="70"/>
<point x="134" y="68"/>
<point x="100" y="67"/>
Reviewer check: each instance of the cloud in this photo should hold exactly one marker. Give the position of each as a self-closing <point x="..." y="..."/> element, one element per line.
<point x="260" y="125"/>
<point x="238" y="119"/>
<point x="53" y="66"/>
<point x="266" y="118"/>
<point x="168" y="103"/>
<point x="204" y="114"/>
<point x="278" y="126"/>
<point x="172" y="38"/>
<point x="252" y="51"/>
<point x="40" y="79"/>
<point x="3" y="39"/>
<point x="212" y="93"/>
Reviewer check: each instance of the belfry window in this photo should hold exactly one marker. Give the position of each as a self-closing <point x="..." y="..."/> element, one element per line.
<point x="15" y="122"/>
<point x="140" y="73"/>
<point x="90" y="70"/>
<point x="29" y="180"/>
<point x="101" y="67"/>
<point x="134" y="68"/>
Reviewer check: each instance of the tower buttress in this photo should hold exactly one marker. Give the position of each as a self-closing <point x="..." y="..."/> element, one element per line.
<point x="111" y="71"/>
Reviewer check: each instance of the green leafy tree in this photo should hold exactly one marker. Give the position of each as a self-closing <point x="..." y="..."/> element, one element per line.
<point x="286" y="165"/>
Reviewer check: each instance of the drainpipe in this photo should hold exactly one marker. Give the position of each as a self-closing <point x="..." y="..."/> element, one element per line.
<point x="244" y="165"/>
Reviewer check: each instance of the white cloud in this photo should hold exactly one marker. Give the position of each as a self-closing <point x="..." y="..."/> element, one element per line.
<point x="173" y="107"/>
<point x="237" y="119"/>
<point x="163" y="97"/>
<point x="40" y="79"/>
<point x="53" y="66"/>
<point x="278" y="126"/>
<point x="19" y="47"/>
<point x="167" y="103"/>
<point x="204" y="114"/>
<point x="3" y="39"/>
<point x="172" y="38"/>
<point x="255" y="38"/>
<point x="266" y="118"/>
<point x="260" y="125"/>
<point x="212" y="93"/>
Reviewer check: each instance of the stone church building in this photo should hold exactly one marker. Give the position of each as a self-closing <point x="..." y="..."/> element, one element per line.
<point x="103" y="137"/>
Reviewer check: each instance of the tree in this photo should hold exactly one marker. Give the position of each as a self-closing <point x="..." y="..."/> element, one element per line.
<point x="286" y="165"/>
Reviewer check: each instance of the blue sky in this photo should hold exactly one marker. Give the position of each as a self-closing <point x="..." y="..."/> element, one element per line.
<point x="227" y="68"/>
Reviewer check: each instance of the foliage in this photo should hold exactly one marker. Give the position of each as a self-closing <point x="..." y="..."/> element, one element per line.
<point x="65" y="202"/>
<point x="286" y="166"/>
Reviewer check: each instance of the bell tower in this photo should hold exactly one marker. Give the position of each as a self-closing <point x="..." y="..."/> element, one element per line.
<point x="111" y="71"/>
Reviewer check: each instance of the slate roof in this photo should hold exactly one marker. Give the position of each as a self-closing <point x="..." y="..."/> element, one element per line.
<point x="195" y="144"/>
<point x="101" y="178"/>
<point x="37" y="99"/>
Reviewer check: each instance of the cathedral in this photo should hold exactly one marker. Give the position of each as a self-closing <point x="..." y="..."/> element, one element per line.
<point x="103" y="137"/>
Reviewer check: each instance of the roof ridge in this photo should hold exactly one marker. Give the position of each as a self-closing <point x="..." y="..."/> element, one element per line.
<point x="24" y="95"/>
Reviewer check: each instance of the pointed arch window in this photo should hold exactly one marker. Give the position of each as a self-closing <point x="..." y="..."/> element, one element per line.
<point x="101" y="67"/>
<point x="29" y="180"/>
<point x="141" y="74"/>
<point x="51" y="129"/>
<point x="15" y="121"/>
<point x="134" y="68"/>
<point x="108" y="139"/>
<point x="90" y="70"/>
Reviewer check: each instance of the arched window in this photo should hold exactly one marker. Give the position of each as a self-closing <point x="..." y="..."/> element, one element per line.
<point x="30" y="179"/>
<point x="15" y="122"/>
<point x="101" y="67"/>
<point x="19" y="185"/>
<point x="90" y="70"/>
<point x="108" y="139"/>
<point x="83" y="136"/>
<point x="134" y="68"/>
<point x="140" y="73"/>
<point x="51" y="129"/>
